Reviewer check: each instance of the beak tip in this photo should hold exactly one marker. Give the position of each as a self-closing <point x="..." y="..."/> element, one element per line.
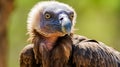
<point x="66" y="29"/>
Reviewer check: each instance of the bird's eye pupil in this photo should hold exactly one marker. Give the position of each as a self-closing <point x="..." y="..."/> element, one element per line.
<point x="47" y="16"/>
<point x="71" y="16"/>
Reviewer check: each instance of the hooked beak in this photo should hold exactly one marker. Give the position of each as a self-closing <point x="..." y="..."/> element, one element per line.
<point x="66" y="23"/>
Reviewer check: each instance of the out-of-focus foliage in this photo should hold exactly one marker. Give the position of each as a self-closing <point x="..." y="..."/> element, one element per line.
<point x="96" y="19"/>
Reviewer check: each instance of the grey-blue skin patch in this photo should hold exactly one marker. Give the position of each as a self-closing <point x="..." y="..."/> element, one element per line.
<point x="55" y="24"/>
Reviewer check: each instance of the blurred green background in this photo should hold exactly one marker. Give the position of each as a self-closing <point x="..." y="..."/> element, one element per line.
<point x="96" y="19"/>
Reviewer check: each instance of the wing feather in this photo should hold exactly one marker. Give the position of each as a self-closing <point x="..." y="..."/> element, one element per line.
<point x="27" y="57"/>
<point x="91" y="53"/>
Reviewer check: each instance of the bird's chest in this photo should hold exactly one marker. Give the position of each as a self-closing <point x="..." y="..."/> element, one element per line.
<point x="58" y="57"/>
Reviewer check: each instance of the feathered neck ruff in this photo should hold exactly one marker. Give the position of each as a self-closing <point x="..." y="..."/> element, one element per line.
<point x="58" y="56"/>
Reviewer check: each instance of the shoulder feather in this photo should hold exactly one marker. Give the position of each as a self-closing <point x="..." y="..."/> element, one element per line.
<point x="87" y="52"/>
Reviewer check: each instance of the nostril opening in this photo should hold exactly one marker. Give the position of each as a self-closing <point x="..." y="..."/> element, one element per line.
<point x="61" y="18"/>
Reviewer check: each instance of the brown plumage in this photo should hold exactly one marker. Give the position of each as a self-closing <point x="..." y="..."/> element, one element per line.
<point x="56" y="49"/>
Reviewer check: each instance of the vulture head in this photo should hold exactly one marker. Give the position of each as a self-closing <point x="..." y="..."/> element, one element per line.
<point x="51" y="19"/>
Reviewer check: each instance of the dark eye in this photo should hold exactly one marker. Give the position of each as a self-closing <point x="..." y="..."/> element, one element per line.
<point x="47" y="16"/>
<point x="71" y="16"/>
